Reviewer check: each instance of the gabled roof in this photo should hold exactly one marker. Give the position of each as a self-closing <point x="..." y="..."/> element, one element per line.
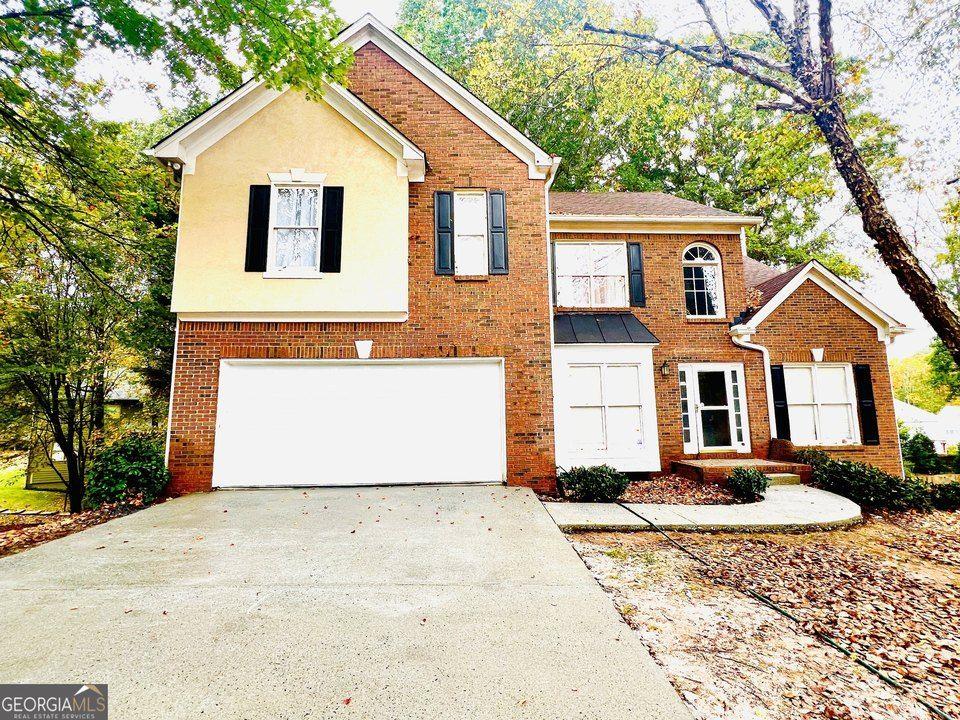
<point x="774" y="291"/>
<point x="184" y="144"/>
<point x="756" y="272"/>
<point x="573" y="328"/>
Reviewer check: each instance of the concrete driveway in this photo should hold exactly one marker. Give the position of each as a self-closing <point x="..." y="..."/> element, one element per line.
<point x="416" y="602"/>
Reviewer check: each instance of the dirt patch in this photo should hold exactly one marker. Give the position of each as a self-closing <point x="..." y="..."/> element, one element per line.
<point x="889" y="588"/>
<point x="671" y="490"/>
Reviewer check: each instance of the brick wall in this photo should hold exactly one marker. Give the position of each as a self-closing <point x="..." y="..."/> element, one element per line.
<point x="499" y="316"/>
<point x="683" y="340"/>
<point x="812" y="318"/>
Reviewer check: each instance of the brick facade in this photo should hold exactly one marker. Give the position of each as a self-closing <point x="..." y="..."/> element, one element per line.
<point x="683" y="340"/>
<point x="506" y="315"/>
<point x="812" y="318"/>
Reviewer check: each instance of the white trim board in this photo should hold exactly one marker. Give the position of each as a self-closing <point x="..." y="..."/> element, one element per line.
<point x="254" y="95"/>
<point x="184" y="145"/>
<point x="887" y="326"/>
<point x="320" y="317"/>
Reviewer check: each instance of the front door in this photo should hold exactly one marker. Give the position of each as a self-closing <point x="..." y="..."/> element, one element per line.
<point x="713" y="408"/>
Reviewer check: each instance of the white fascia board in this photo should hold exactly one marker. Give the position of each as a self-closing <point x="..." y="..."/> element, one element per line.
<point x="186" y="144"/>
<point x="738" y="220"/>
<point x="369" y="29"/>
<point x="886" y="325"/>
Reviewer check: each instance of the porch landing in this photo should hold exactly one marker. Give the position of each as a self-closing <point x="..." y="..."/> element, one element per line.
<point x="717" y="469"/>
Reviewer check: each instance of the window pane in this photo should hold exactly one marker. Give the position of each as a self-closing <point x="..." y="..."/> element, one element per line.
<point x="297" y="207"/>
<point x="624" y="429"/>
<point x="609" y="291"/>
<point x="573" y="291"/>
<point x="584" y="384"/>
<point x="470" y="255"/>
<point x="622" y="385"/>
<point x="831" y="384"/>
<point x="470" y="213"/>
<point x="711" y="278"/>
<point x="799" y="384"/>
<point x="802" y="430"/>
<point x="835" y="424"/>
<point x="572" y="258"/>
<point x="586" y="428"/>
<point x="716" y="428"/>
<point x="609" y="259"/>
<point x="713" y="387"/>
<point x="296" y="249"/>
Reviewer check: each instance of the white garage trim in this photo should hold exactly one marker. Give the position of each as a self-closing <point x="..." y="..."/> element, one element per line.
<point x="393" y="453"/>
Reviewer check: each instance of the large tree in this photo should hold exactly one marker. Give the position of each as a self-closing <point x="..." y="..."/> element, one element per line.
<point x="797" y="60"/>
<point x="621" y="123"/>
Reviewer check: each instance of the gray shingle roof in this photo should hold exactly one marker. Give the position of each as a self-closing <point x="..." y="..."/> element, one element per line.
<point x="640" y="204"/>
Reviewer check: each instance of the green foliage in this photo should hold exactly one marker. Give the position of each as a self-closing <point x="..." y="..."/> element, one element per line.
<point x="944" y="371"/>
<point x="866" y="485"/>
<point x="945" y="496"/>
<point x="623" y="123"/>
<point x="131" y="467"/>
<point x="600" y="483"/>
<point x="748" y="484"/>
<point x="915" y="382"/>
<point x="920" y="454"/>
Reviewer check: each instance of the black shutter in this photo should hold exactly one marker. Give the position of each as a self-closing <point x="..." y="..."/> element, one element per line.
<point x="781" y="412"/>
<point x="869" y="430"/>
<point x="443" y="232"/>
<point x="497" y="235"/>
<point x="331" y="233"/>
<point x="638" y="290"/>
<point x="258" y="228"/>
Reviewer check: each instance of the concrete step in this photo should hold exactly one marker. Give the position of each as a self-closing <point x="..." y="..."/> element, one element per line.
<point x="784" y="478"/>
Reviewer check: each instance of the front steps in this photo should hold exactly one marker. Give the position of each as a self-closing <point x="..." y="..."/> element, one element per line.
<point x="716" y="470"/>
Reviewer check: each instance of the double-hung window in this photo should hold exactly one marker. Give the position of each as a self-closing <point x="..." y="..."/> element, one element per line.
<point x="591" y="275"/>
<point x="703" y="281"/>
<point x="470" y="232"/>
<point x="295" y="230"/>
<point x="821" y="401"/>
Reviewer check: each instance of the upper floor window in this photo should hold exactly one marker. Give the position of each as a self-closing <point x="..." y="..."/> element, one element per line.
<point x="295" y="230"/>
<point x="470" y="232"/>
<point x="703" y="281"/>
<point x="591" y="275"/>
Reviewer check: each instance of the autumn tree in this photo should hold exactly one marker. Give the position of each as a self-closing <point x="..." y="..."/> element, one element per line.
<point x="797" y="60"/>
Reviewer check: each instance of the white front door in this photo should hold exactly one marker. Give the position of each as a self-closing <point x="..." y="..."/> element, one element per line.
<point x="605" y="407"/>
<point x="359" y="422"/>
<point x="714" y="408"/>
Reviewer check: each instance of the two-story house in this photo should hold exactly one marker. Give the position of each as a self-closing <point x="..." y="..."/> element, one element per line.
<point x="379" y="287"/>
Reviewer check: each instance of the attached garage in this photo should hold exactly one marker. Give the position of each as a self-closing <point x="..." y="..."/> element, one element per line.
<point x="359" y="422"/>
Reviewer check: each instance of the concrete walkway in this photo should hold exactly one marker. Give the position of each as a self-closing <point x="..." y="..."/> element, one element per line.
<point x="388" y="603"/>
<point x="785" y="508"/>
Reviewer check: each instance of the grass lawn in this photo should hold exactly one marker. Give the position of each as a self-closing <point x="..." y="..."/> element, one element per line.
<point x="14" y="497"/>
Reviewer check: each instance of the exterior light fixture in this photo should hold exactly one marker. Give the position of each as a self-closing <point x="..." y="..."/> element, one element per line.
<point x="665" y="369"/>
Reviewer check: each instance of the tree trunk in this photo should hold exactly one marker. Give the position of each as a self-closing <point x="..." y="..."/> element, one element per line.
<point x="880" y="227"/>
<point x="74" y="481"/>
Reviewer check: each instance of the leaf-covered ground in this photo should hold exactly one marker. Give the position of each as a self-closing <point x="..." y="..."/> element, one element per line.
<point x="889" y="588"/>
<point x="671" y="489"/>
<point x="18" y="534"/>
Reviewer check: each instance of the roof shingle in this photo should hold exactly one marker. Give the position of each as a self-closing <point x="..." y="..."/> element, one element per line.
<point x="639" y="204"/>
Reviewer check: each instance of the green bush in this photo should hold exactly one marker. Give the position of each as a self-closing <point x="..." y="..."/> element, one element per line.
<point x="920" y="455"/>
<point x="747" y="484"/>
<point x="130" y="467"/>
<point x="600" y="483"/>
<point x="871" y="487"/>
<point x="945" y="496"/>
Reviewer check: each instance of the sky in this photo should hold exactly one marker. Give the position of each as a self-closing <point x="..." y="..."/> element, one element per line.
<point x="901" y="94"/>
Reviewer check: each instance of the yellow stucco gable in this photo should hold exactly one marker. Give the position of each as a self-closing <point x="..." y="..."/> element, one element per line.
<point x="293" y="132"/>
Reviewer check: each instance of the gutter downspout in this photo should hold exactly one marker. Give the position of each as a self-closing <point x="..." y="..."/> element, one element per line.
<point x="740" y="342"/>
<point x="546" y="192"/>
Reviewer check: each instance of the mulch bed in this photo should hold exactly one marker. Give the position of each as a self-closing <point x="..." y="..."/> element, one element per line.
<point x="16" y="537"/>
<point x="889" y="589"/>
<point x="671" y="490"/>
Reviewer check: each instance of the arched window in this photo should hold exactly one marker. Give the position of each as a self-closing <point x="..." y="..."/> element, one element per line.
<point x="703" y="281"/>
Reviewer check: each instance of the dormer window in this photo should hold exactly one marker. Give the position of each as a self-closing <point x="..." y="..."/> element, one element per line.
<point x="703" y="281"/>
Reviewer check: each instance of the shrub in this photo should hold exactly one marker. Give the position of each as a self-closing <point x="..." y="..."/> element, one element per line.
<point x="920" y="454"/>
<point x="130" y="466"/>
<point x="811" y="457"/>
<point x="945" y="496"/>
<point x="747" y="484"/>
<point x="871" y="487"/>
<point x="600" y="483"/>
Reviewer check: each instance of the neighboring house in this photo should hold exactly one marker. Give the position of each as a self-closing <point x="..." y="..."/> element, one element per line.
<point x="46" y="467"/>
<point x="379" y="288"/>
<point x="918" y="420"/>
<point x="949" y="418"/>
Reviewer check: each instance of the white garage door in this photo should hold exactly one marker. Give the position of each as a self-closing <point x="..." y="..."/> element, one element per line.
<point x="288" y="422"/>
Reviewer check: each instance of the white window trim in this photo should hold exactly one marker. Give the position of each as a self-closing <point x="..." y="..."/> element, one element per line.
<point x="693" y="446"/>
<point x="592" y="275"/>
<point x="296" y="177"/>
<point x="721" y="298"/>
<point x="457" y="234"/>
<point x="851" y="403"/>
